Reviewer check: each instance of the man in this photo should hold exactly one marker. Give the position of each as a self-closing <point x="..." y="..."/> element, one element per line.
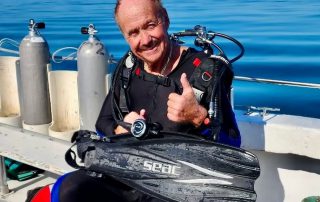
<point x="158" y="89"/>
<point x="145" y="29"/>
<point x="155" y="76"/>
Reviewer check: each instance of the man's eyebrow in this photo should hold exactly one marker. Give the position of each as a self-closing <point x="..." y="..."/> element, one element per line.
<point x="134" y="30"/>
<point x="156" y="21"/>
<point x="150" y="20"/>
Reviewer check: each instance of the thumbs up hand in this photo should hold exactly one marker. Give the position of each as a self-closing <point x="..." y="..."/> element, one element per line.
<point x="185" y="108"/>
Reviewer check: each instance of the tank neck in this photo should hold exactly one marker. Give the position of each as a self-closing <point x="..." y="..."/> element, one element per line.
<point x="33" y="33"/>
<point x="92" y="38"/>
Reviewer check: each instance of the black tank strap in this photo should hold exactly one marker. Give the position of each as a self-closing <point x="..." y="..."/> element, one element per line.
<point x="160" y="80"/>
<point x="125" y="79"/>
<point x="128" y="67"/>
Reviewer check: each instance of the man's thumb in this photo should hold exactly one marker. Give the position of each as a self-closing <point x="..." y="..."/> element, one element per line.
<point x="143" y="113"/>
<point x="185" y="83"/>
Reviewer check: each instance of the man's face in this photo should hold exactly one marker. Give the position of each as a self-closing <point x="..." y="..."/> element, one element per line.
<point x="144" y="29"/>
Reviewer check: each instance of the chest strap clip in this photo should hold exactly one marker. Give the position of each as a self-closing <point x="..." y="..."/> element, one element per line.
<point x="163" y="80"/>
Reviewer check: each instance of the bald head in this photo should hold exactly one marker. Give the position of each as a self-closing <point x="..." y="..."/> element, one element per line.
<point x="126" y="5"/>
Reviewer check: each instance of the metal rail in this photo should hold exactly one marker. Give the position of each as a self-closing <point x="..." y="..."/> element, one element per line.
<point x="278" y="82"/>
<point x="271" y="81"/>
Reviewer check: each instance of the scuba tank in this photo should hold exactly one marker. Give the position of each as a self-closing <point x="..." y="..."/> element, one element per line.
<point x="34" y="57"/>
<point x="92" y="62"/>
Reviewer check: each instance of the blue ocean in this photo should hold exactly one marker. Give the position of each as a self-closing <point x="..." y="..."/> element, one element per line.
<point x="281" y="40"/>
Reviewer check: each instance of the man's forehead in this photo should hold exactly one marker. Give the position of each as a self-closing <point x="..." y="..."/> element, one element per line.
<point x="127" y="4"/>
<point x="136" y="12"/>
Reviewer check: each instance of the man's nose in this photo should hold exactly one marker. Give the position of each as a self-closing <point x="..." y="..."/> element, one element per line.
<point x="145" y="37"/>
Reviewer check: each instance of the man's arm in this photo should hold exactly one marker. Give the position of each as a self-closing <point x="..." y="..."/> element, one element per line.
<point x="105" y="123"/>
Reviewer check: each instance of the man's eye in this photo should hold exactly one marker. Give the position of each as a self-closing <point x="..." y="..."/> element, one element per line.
<point x="133" y="34"/>
<point x="151" y="26"/>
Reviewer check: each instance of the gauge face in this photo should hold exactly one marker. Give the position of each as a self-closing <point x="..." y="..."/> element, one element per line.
<point x="139" y="128"/>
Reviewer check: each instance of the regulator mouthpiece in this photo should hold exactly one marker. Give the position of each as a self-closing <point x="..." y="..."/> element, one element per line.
<point x="141" y="130"/>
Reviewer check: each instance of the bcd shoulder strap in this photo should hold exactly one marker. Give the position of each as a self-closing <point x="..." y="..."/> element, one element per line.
<point x="210" y="80"/>
<point x="127" y="68"/>
<point x="206" y="76"/>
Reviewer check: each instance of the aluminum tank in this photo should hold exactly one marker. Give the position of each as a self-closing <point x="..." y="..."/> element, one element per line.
<point x="34" y="57"/>
<point x="92" y="62"/>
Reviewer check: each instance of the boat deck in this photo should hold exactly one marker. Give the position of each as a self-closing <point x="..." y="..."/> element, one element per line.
<point x="38" y="150"/>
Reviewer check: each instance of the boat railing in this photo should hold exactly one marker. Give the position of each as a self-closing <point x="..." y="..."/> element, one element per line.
<point x="278" y="82"/>
<point x="264" y="110"/>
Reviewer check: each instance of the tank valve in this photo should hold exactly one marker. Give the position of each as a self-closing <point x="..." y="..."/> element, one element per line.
<point x="33" y="25"/>
<point x="89" y="30"/>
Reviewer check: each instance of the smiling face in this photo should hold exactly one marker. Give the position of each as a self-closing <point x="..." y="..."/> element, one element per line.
<point x="144" y="26"/>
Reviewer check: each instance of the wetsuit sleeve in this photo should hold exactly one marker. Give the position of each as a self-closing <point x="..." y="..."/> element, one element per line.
<point x="105" y="124"/>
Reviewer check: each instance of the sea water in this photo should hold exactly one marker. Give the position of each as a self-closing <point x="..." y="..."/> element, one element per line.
<point x="281" y="39"/>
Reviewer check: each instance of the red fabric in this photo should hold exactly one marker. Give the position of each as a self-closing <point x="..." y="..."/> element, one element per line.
<point x="138" y="71"/>
<point x="43" y="195"/>
<point x="196" y="62"/>
<point x="206" y="121"/>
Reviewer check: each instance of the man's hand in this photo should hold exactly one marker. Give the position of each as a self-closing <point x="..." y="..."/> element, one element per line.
<point x="130" y="118"/>
<point x="185" y="108"/>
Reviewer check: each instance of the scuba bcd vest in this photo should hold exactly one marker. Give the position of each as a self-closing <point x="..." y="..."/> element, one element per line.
<point x="211" y="81"/>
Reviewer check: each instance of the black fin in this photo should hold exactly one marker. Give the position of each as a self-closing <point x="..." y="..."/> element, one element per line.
<point x="178" y="168"/>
